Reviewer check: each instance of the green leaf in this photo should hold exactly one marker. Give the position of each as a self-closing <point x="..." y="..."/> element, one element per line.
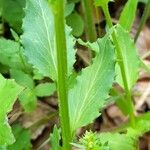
<point x="22" y="78"/>
<point x="107" y="141"/>
<point x="12" y="12"/>
<point x="75" y="21"/>
<point x="130" y="58"/>
<point x="9" y="91"/>
<point x="116" y="141"/>
<point x="128" y="14"/>
<point x="15" y="35"/>
<point x="27" y="97"/>
<point x="3" y="147"/>
<point x="28" y="100"/>
<point x="39" y="42"/>
<point x="22" y="137"/>
<point x="88" y="96"/>
<point x="142" y="126"/>
<point x="55" y="138"/>
<point x="120" y="101"/>
<point x="45" y="89"/>
<point x="12" y="55"/>
<point x="37" y="75"/>
<point x="126" y="140"/>
<point x="69" y="8"/>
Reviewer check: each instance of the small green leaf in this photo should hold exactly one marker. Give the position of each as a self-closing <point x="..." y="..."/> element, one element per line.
<point x="39" y="42"/>
<point x="130" y="58"/>
<point x="15" y="35"/>
<point x="9" y="91"/>
<point x="22" y="78"/>
<point x="69" y="9"/>
<point x="45" y="89"/>
<point x="27" y="97"/>
<point x="55" y="138"/>
<point x="12" y="55"/>
<point x="107" y="141"/>
<point x="88" y="96"/>
<point x="37" y="75"/>
<point x="120" y="101"/>
<point x="28" y="100"/>
<point x="116" y="140"/>
<point x="3" y="147"/>
<point x="142" y="126"/>
<point x="128" y="14"/>
<point x="75" y="21"/>
<point x="22" y="137"/>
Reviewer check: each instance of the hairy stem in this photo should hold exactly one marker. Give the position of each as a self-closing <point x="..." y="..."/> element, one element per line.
<point x="62" y="73"/>
<point x="122" y="66"/>
<point x="143" y="20"/>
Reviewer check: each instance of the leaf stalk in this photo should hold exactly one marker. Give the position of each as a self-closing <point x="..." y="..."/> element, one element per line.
<point x="121" y="64"/>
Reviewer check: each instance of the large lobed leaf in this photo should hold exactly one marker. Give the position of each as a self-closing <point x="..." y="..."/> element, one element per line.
<point x="130" y="58"/>
<point x="88" y="96"/>
<point x="8" y="94"/>
<point x="39" y="39"/>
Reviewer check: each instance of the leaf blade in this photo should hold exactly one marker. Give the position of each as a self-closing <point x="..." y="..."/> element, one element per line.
<point x="9" y="91"/>
<point x="41" y="52"/>
<point x="130" y="58"/>
<point x="91" y="85"/>
<point x="128" y="14"/>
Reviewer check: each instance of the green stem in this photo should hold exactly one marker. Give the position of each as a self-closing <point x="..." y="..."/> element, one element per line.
<point x="62" y="73"/>
<point x="143" y="20"/>
<point x="122" y="66"/>
<point x="89" y="21"/>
